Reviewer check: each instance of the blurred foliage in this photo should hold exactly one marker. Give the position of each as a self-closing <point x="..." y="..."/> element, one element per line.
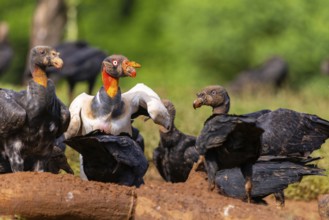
<point x="185" y="45"/>
<point x="195" y="41"/>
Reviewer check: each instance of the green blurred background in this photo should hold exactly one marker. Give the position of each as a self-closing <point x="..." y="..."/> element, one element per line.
<point x="196" y="41"/>
<point x="188" y="44"/>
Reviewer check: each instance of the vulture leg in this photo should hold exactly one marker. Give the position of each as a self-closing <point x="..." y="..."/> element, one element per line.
<point x="201" y="161"/>
<point x="279" y="198"/>
<point x="211" y="168"/>
<point x="247" y="174"/>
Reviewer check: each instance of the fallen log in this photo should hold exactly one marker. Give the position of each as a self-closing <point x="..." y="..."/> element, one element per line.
<point x="47" y="196"/>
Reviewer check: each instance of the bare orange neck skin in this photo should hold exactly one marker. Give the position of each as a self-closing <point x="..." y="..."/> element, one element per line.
<point x="39" y="76"/>
<point x="111" y="84"/>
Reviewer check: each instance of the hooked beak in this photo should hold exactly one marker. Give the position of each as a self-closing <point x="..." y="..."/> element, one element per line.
<point x="197" y="103"/>
<point x="129" y="68"/>
<point x="57" y="62"/>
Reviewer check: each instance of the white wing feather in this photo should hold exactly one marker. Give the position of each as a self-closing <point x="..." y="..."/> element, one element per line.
<point x="144" y="96"/>
<point x="74" y="128"/>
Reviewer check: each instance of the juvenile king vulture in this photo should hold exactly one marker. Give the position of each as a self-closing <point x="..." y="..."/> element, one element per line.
<point x="227" y="141"/>
<point x="271" y="175"/>
<point x="176" y="152"/>
<point x="32" y="119"/>
<point x="111" y="112"/>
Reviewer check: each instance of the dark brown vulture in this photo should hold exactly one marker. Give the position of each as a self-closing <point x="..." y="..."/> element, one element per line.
<point x="32" y="119"/>
<point x="286" y="132"/>
<point x="81" y="63"/>
<point x="111" y="112"/>
<point x="227" y="141"/>
<point x="271" y="175"/>
<point x="176" y="152"/>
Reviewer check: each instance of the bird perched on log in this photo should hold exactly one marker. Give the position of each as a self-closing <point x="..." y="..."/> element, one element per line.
<point x="112" y="112"/>
<point x="176" y="153"/>
<point x="271" y="175"/>
<point x="227" y="141"/>
<point x="6" y="52"/>
<point x="82" y="63"/>
<point x="32" y="119"/>
<point x="111" y="158"/>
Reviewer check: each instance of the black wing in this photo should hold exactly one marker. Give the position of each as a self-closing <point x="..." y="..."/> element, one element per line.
<point x="158" y="159"/>
<point x="110" y="158"/>
<point x="288" y="132"/>
<point x="13" y="113"/>
<point x="270" y="175"/>
<point x="235" y="133"/>
<point x="257" y="114"/>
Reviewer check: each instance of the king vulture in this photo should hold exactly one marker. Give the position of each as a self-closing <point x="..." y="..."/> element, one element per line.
<point x="111" y="113"/>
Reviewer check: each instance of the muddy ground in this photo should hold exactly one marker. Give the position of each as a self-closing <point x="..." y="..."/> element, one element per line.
<point x="169" y="201"/>
<point x="154" y="200"/>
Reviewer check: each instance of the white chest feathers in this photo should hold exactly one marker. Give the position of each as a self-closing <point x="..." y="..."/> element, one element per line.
<point x="106" y="124"/>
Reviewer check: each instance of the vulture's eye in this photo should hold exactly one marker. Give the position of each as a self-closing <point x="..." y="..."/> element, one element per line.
<point x="115" y="63"/>
<point x="213" y="92"/>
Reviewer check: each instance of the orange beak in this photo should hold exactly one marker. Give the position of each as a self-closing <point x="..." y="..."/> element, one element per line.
<point x="134" y="64"/>
<point x="129" y="68"/>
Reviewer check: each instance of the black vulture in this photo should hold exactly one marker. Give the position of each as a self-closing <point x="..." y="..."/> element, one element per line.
<point x="6" y="52"/>
<point x="111" y="158"/>
<point x="81" y="63"/>
<point x="270" y="75"/>
<point x="285" y="132"/>
<point x="176" y="152"/>
<point x="227" y="141"/>
<point x="271" y="175"/>
<point x="32" y="119"/>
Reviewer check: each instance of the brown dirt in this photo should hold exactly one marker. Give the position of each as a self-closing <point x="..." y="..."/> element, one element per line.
<point x="192" y="200"/>
<point x="155" y="200"/>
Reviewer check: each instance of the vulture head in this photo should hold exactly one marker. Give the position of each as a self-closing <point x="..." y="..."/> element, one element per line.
<point x="44" y="56"/>
<point x="118" y="66"/>
<point x="172" y="114"/>
<point x="215" y="96"/>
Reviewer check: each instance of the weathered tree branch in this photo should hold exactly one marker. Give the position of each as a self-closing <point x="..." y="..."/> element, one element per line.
<point x="44" y="195"/>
